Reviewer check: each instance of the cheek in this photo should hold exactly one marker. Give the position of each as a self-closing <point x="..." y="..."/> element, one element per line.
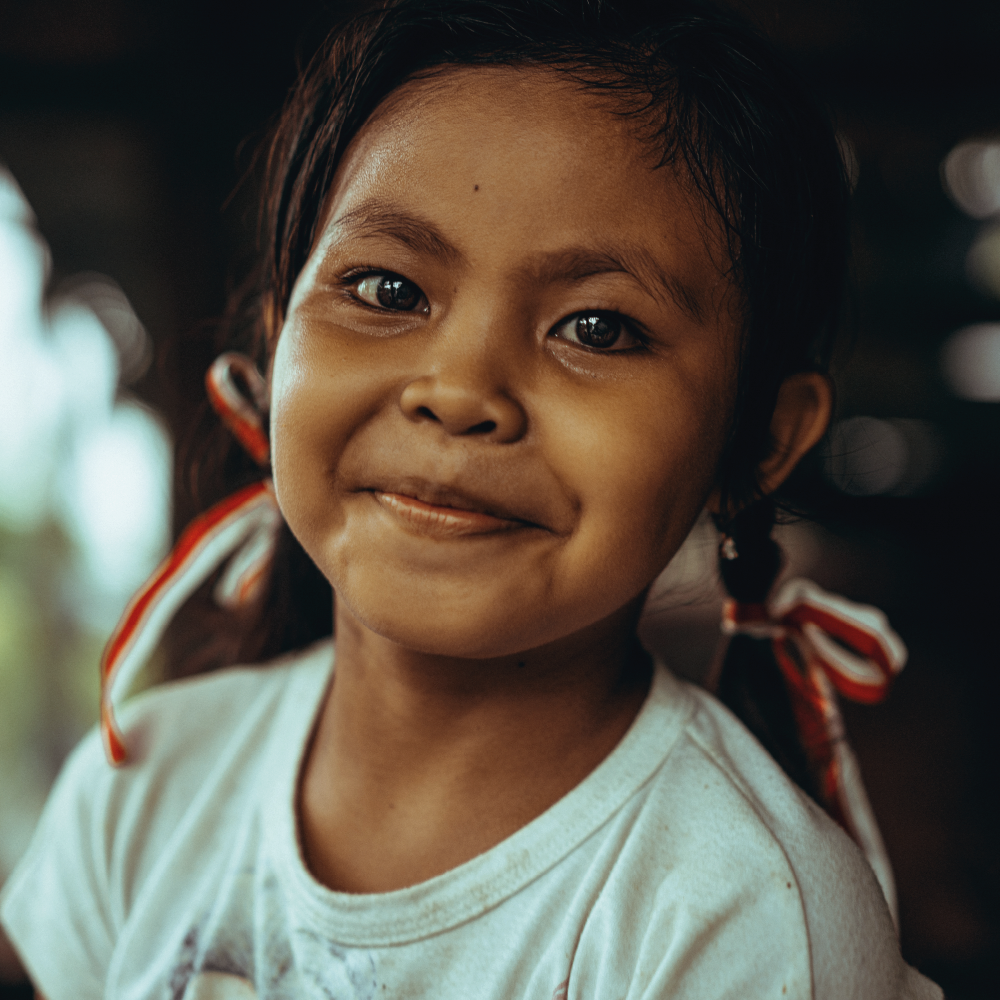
<point x="642" y="463"/>
<point x="315" y="402"/>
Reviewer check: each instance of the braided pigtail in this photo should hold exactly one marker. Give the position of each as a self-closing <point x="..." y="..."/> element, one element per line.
<point x="791" y="653"/>
<point x="750" y="682"/>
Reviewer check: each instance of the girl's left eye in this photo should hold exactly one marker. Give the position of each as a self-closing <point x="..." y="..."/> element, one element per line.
<point x="598" y="331"/>
<point x="390" y="291"/>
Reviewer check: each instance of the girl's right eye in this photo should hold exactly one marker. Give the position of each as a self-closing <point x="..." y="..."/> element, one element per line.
<point x="390" y="291"/>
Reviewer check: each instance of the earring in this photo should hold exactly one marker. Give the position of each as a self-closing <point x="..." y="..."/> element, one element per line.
<point x="727" y="548"/>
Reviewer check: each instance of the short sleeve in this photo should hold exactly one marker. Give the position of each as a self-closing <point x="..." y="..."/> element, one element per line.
<point x="55" y="906"/>
<point x="750" y="955"/>
<point x="855" y="950"/>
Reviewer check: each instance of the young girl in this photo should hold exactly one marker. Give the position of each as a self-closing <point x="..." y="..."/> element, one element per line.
<point x="545" y="279"/>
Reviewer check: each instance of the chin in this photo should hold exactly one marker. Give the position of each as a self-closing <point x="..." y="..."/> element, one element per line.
<point x="468" y="629"/>
<point x="466" y="637"/>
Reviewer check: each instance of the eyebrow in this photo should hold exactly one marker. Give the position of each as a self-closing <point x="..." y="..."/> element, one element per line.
<point x="374" y="219"/>
<point x="576" y="264"/>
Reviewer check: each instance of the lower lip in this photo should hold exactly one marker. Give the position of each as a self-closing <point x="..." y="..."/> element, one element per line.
<point x="446" y="522"/>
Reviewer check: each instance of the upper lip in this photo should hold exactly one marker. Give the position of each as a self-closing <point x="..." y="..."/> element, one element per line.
<point x="441" y="495"/>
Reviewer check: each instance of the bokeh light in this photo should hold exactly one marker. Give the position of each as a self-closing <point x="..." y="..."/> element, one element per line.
<point x="866" y="456"/>
<point x="970" y="360"/>
<point x="971" y="175"/>
<point x="68" y="448"/>
<point x="982" y="262"/>
<point x="84" y="504"/>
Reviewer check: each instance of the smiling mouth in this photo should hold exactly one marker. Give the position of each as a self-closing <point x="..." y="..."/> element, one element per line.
<point x="444" y="521"/>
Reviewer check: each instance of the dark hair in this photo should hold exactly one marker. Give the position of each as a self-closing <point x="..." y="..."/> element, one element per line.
<point x="718" y="104"/>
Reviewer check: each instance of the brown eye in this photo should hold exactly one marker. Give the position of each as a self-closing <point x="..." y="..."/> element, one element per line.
<point x="598" y="331"/>
<point x="389" y="291"/>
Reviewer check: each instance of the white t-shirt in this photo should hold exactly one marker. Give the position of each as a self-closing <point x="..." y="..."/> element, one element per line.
<point x="685" y="866"/>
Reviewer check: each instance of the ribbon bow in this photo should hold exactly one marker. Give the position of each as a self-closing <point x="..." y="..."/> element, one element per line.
<point x="852" y="643"/>
<point x="242" y="528"/>
<point x="824" y="643"/>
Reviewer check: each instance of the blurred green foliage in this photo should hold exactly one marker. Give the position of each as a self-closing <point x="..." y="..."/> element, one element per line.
<point x="49" y="683"/>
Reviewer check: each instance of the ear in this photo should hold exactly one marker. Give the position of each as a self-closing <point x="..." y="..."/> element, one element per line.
<point x="801" y="416"/>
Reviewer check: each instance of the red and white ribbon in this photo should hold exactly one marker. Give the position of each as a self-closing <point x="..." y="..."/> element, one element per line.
<point x="242" y="416"/>
<point x="824" y="643"/>
<point x="203" y="546"/>
<point x="243" y="528"/>
<point x="853" y="643"/>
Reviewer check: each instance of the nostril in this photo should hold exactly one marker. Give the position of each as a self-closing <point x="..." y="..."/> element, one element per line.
<point x="428" y="413"/>
<point x="486" y="427"/>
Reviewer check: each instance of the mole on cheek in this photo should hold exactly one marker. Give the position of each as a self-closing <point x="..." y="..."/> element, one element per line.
<point x="475" y="187"/>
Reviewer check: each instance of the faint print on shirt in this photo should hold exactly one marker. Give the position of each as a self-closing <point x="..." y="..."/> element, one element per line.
<point x="225" y="969"/>
<point x="219" y="986"/>
<point x="206" y="979"/>
<point x="244" y="945"/>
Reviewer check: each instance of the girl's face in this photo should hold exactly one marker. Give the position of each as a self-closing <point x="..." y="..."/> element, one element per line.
<point x="503" y="384"/>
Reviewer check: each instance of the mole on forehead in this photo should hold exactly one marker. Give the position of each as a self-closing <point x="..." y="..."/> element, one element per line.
<point x="533" y="107"/>
<point x="396" y="130"/>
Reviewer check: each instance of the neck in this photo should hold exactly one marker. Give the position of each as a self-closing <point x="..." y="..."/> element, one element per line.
<point x="421" y="762"/>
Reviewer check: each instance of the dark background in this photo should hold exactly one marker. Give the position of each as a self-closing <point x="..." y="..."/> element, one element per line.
<point x="129" y="123"/>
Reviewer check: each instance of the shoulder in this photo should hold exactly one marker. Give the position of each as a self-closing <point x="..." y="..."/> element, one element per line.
<point x="199" y="742"/>
<point x="759" y="854"/>
<point x="177" y="725"/>
<point x="178" y="733"/>
<point x="195" y="747"/>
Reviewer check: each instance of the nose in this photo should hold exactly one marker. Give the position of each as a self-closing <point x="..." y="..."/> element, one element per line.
<point x="465" y="398"/>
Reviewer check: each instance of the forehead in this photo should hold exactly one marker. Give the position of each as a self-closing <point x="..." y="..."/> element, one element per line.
<point x="530" y="160"/>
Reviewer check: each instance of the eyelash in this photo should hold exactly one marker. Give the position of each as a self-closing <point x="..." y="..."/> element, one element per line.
<point x="630" y="327"/>
<point x="357" y="274"/>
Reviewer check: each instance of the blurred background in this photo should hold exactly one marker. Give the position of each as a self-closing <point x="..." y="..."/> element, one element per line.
<point x="127" y="129"/>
